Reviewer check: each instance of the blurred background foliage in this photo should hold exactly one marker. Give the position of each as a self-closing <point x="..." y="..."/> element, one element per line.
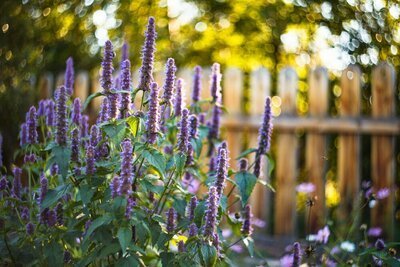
<point x="39" y="35"/>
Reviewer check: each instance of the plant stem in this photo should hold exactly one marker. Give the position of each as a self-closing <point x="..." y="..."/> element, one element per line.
<point x="162" y="194"/>
<point x="233" y="203"/>
<point x="237" y="241"/>
<point x="230" y="192"/>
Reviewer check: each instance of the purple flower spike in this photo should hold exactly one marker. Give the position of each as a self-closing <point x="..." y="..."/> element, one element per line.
<point x="202" y="118"/>
<point x="222" y="171"/>
<point x="104" y="113"/>
<point x="50" y="113"/>
<point x="169" y="82"/>
<point x="69" y="76"/>
<point x="183" y="136"/>
<point x="75" y="142"/>
<point x="31" y="124"/>
<point x="3" y="183"/>
<point x="181" y="246"/>
<point x="125" y="52"/>
<point x="215" y="123"/>
<point x="90" y="159"/>
<point x="211" y="212"/>
<point x="264" y="138"/>
<point x="193" y="125"/>
<point x="215" y="83"/>
<point x="94" y="136"/>
<point x="216" y="243"/>
<point x="17" y="186"/>
<point x="30" y="228"/>
<point x="243" y="164"/>
<point x="76" y="113"/>
<point x="193" y="229"/>
<point x="43" y="188"/>
<point x="114" y="186"/>
<point x="29" y="158"/>
<point x="190" y="154"/>
<point x="41" y="111"/>
<point x="125" y="104"/>
<point x="296" y="254"/>
<point x="379" y="244"/>
<point x="179" y="97"/>
<point x="192" y="206"/>
<point x="129" y="207"/>
<point x="113" y="104"/>
<point x="25" y="214"/>
<point x="54" y="170"/>
<point x="148" y="50"/>
<point x="153" y="115"/>
<point x="213" y="164"/>
<point x="126" y="175"/>
<point x="107" y="66"/>
<point x="51" y="218"/>
<point x="61" y="118"/>
<point x="23" y="135"/>
<point x="59" y="213"/>
<point x="247" y="229"/>
<point x="171" y="217"/>
<point x="196" y="84"/>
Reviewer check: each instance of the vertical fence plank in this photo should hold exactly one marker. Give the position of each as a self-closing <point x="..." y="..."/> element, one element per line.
<point x="82" y="85"/>
<point x="260" y="88"/>
<point x="186" y="74"/>
<point x="382" y="164"/>
<point x="316" y="144"/>
<point x="286" y="161"/>
<point x="349" y="144"/>
<point x="96" y="87"/>
<point x="205" y="83"/>
<point x="232" y="96"/>
<point x="45" y="85"/>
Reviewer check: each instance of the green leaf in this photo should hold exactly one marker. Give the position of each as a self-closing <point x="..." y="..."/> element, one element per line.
<point x="246" y="152"/>
<point x="105" y="219"/>
<point x="180" y="162"/>
<point x="208" y="255"/>
<point x="249" y="243"/>
<point x="115" y="131"/>
<point x="167" y="259"/>
<point x="54" y="254"/>
<point x="131" y="261"/>
<point x="271" y="164"/>
<point x="266" y="184"/>
<point x="246" y="182"/>
<point x="155" y="159"/>
<point x="108" y="249"/>
<point x="199" y="212"/>
<point x="134" y="125"/>
<point x="124" y="236"/>
<point x="86" y="193"/>
<point x="53" y="195"/>
<point x="90" y="98"/>
<point x="61" y="156"/>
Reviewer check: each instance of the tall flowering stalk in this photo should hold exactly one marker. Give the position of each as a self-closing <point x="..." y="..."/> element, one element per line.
<point x="153" y="115"/>
<point x="215" y="123"/>
<point x="31" y="124"/>
<point x="23" y="135"/>
<point x="76" y="113"/>
<point x="125" y="104"/>
<point x="125" y="52"/>
<point x="17" y="185"/>
<point x="126" y="175"/>
<point x="50" y="113"/>
<point x="183" y="137"/>
<point x="296" y="254"/>
<point x="193" y="125"/>
<point x="191" y="207"/>
<point x="178" y="98"/>
<point x="103" y="114"/>
<point x="264" y="138"/>
<point x="196" y="84"/>
<point x="131" y="203"/>
<point x="114" y="186"/>
<point x="69" y="76"/>
<point x="215" y="83"/>
<point x="90" y="160"/>
<point x="148" y="50"/>
<point x="247" y="229"/>
<point x="84" y="126"/>
<point x="222" y="171"/>
<point x="193" y="229"/>
<point x="169" y="82"/>
<point x="107" y="66"/>
<point x="43" y="188"/>
<point x="113" y="103"/>
<point x="211" y="212"/>
<point x="75" y="143"/>
<point x="171" y="217"/>
<point x="61" y="116"/>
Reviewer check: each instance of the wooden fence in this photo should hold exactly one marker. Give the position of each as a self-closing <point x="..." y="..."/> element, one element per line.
<point x="383" y="126"/>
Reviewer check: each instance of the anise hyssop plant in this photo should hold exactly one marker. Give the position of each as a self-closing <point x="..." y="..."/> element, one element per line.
<point x="143" y="186"/>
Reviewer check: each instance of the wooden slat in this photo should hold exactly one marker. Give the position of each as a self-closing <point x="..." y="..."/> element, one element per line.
<point x="45" y="85"/>
<point x="260" y="88"/>
<point x="95" y="87"/>
<point x="286" y="161"/>
<point x="186" y="75"/>
<point x="349" y="146"/>
<point x="316" y="145"/>
<point x="382" y="163"/>
<point x="82" y="85"/>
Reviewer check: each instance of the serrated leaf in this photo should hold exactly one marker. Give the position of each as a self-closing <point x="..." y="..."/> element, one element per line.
<point x="155" y="159"/>
<point x="105" y="219"/>
<point x="180" y="162"/>
<point x="124" y="237"/>
<point x="208" y="255"/>
<point x="246" y="152"/>
<point x="53" y="195"/>
<point x="115" y="132"/>
<point x="271" y="164"/>
<point x="199" y="212"/>
<point x="90" y="98"/>
<point x="86" y="193"/>
<point x="249" y="243"/>
<point x="54" y="254"/>
<point x="167" y="258"/>
<point x="246" y="182"/>
<point x="134" y="125"/>
<point x="108" y="249"/>
<point x="266" y="184"/>
<point x="62" y="157"/>
<point x="131" y="261"/>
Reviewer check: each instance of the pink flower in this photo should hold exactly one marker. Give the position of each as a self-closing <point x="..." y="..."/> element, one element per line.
<point x="374" y="231"/>
<point x="323" y="235"/>
<point x="305" y="188"/>
<point x="383" y="193"/>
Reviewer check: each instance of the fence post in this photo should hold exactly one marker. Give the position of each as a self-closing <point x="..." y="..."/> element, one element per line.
<point x="349" y="145"/>
<point x="82" y="85"/>
<point x="286" y="161"/>
<point x="260" y="88"/>
<point x="232" y="96"/>
<point x="45" y="85"/>
<point x="382" y="163"/>
<point x="316" y="144"/>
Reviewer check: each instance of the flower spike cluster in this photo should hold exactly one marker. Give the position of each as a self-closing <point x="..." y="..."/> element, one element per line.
<point x="148" y="50"/>
<point x="211" y="212"/>
<point x="196" y="84"/>
<point x="61" y="116"/>
<point x="179" y="97"/>
<point x="183" y="137"/>
<point x="125" y="104"/>
<point x="153" y="115"/>
<point x="107" y="66"/>
<point x="126" y="175"/>
<point x="69" y="76"/>
<point x="169" y="82"/>
<point x="31" y="124"/>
